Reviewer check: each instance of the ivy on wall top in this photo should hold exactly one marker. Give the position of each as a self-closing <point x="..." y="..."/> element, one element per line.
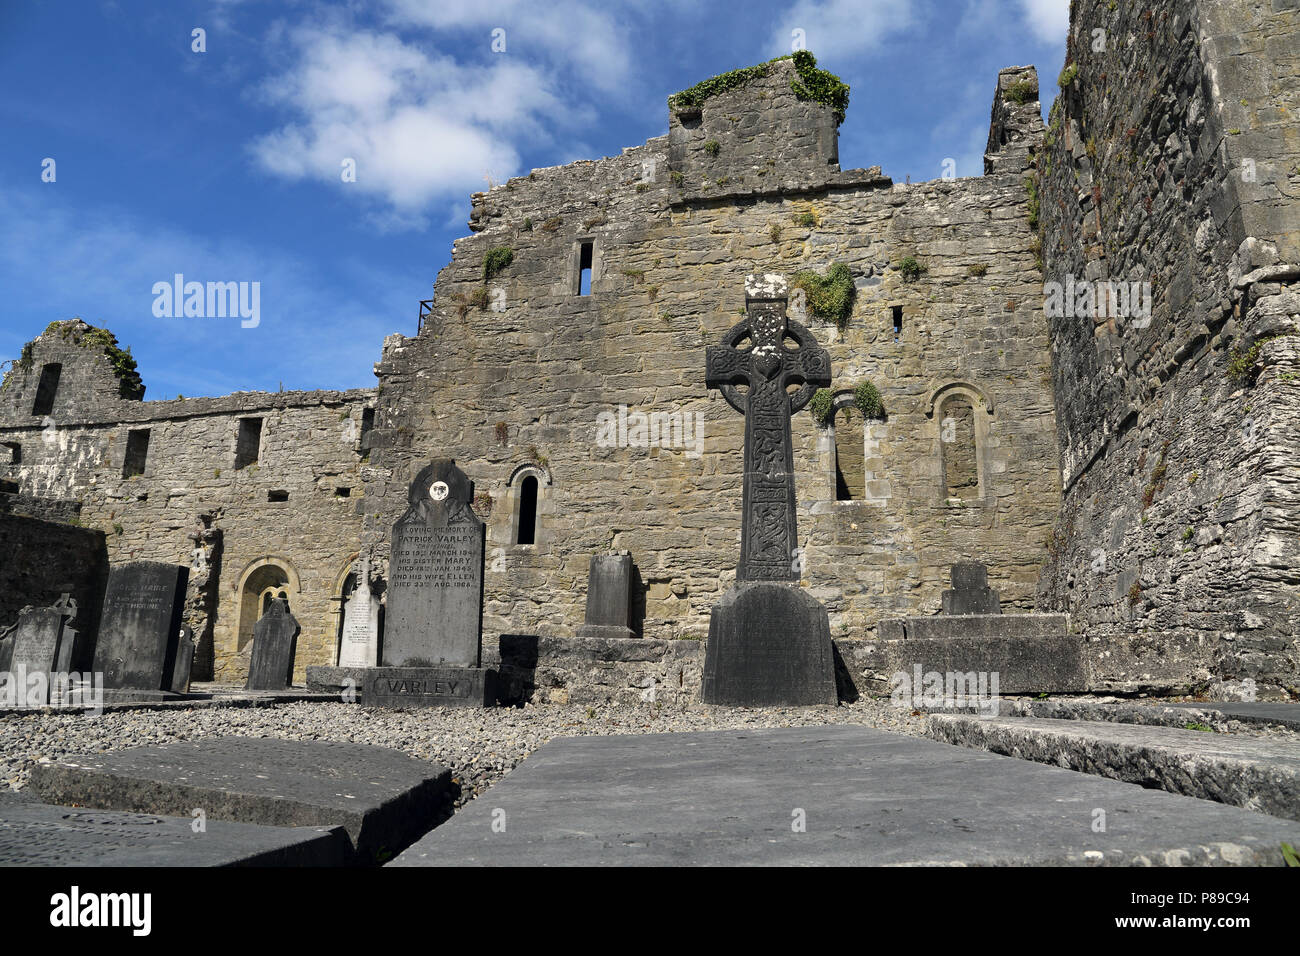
<point x="819" y="86"/>
<point x="830" y="297"/>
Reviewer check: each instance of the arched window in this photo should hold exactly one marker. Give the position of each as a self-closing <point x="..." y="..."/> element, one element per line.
<point x="262" y="584"/>
<point x="957" y="445"/>
<point x="526" y="525"/>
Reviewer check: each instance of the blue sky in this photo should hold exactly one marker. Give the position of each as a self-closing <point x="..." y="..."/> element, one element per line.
<point x="226" y="165"/>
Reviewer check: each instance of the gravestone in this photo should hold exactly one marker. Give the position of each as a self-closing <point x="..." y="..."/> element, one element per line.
<point x="769" y="641"/>
<point x="609" y="588"/>
<point x="32" y="651"/>
<point x="140" y="626"/>
<point x="432" y="649"/>
<point x="970" y="592"/>
<point x="360" y="644"/>
<point x="274" y="638"/>
<point x="184" y="661"/>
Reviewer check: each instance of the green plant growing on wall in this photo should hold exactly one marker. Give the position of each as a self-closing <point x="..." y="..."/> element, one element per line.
<point x="808" y="218"/>
<point x="677" y="178"/>
<point x="1032" y="201"/>
<point x="1241" y="365"/>
<point x="911" y="268"/>
<point x="774" y="232"/>
<point x="868" y="401"/>
<point x="712" y="147"/>
<point x="1067" y="75"/>
<point x="818" y="86"/>
<point x="830" y="297"/>
<point x="1022" y="91"/>
<point x="495" y="260"/>
<point x="819" y="407"/>
<point x="977" y="270"/>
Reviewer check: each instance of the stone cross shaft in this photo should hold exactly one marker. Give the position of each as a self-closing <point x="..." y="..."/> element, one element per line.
<point x="767" y="354"/>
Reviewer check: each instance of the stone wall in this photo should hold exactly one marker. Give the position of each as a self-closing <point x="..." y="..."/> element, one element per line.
<point x="1172" y="158"/>
<point x="518" y="375"/>
<point x="291" y="517"/>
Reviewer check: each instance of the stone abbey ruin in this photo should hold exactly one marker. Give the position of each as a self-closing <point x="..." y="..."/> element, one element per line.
<point x="1136" y="472"/>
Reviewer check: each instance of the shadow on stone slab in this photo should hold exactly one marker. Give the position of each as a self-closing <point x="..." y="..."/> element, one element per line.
<point x="383" y="798"/>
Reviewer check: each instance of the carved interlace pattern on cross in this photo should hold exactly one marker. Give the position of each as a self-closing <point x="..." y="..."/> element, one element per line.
<point x="781" y="354"/>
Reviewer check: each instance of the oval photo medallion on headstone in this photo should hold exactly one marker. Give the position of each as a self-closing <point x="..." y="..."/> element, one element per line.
<point x="438" y="490"/>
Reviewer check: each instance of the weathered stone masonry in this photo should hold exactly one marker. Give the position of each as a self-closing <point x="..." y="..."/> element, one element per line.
<point x="1173" y="158"/>
<point x="513" y="375"/>
<point x="289" y="520"/>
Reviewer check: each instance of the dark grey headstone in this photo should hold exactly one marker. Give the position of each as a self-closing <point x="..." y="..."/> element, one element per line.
<point x="136" y="646"/>
<point x="383" y="798"/>
<point x="769" y="646"/>
<point x="184" y="662"/>
<point x="609" y="589"/>
<point x="435" y="587"/>
<point x="38" y="834"/>
<point x="275" y="636"/>
<point x="970" y="592"/>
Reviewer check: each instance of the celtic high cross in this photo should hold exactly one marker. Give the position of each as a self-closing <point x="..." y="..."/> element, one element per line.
<point x="768" y="354"/>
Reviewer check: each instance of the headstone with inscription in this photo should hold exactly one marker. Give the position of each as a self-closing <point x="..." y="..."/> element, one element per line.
<point x="432" y="648"/>
<point x="769" y="641"/>
<point x="609" y="589"/>
<point x="32" y="649"/>
<point x="275" y="637"/>
<point x="359" y="646"/>
<point x="140" y="626"/>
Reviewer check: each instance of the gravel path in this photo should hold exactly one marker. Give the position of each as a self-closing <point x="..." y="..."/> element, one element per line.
<point x="480" y="746"/>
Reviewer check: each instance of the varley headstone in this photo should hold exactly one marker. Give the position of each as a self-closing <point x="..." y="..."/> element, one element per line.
<point x="432" y="648"/>
<point x="769" y="641"/>
<point x="360" y="644"/>
<point x="140" y="626"/>
<point x="609" y="588"/>
<point x="275" y="636"/>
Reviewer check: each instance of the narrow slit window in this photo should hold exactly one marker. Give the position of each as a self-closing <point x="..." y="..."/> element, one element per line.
<point x="277" y="496"/>
<point x="137" y="452"/>
<point x="898" y="322"/>
<point x="47" y="388"/>
<point x="527" y="532"/>
<point x="15" y="452"/>
<point x="248" y="443"/>
<point x="586" y="256"/>
<point x="367" y="425"/>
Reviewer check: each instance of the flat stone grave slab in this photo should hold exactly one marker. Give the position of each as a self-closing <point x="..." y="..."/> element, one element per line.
<point x="1258" y="773"/>
<point x="38" y="834"/>
<point x="863" y="797"/>
<point x="384" y="799"/>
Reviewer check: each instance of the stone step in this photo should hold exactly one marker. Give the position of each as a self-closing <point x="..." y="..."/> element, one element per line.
<point x="1255" y="773"/>
<point x="384" y="799"/>
<point x="1216" y="714"/>
<point x="831" y="795"/>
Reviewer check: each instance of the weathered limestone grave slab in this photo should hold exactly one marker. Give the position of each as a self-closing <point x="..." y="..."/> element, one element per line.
<point x="140" y="626"/>
<point x="609" y="595"/>
<point x="1254" y="772"/>
<point x="1029" y="653"/>
<point x="360" y="643"/>
<point x="275" y="637"/>
<point x="769" y="641"/>
<point x="31" y="652"/>
<point x="383" y="799"/>
<point x="865" y="796"/>
<point x="184" y="661"/>
<point x="432" y="653"/>
<point x="38" y="834"/>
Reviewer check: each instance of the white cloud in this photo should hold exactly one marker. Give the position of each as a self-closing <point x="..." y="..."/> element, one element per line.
<point x="419" y="126"/>
<point x="842" y="29"/>
<point x="1049" y="20"/>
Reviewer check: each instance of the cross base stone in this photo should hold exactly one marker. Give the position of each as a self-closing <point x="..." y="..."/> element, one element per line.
<point x="769" y="646"/>
<point x="429" y="687"/>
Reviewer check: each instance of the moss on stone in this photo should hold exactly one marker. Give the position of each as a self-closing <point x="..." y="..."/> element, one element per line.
<point x="830" y="297"/>
<point x="818" y="86"/>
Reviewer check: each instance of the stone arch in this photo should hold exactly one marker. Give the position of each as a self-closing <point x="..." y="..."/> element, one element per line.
<point x="261" y="579"/>
<point x="960" y="413"/>
<point x="345" y="583"/>
<point x="848" y="436"/>
<point x="524" y="499"/>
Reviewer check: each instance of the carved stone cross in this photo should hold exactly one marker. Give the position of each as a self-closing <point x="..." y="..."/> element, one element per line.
<point x="777" y="354"/>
